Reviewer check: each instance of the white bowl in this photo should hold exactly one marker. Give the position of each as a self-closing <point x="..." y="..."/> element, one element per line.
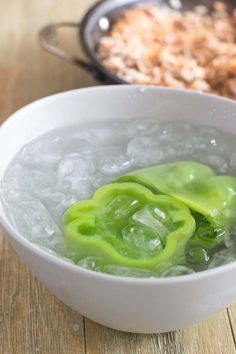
<point x="128" y="304"/>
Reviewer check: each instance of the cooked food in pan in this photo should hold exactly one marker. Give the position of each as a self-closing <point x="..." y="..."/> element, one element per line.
<point x="160" y="46"/>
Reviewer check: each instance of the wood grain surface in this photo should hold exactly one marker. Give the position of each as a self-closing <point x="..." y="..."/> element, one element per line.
<point x="32" y="320"/>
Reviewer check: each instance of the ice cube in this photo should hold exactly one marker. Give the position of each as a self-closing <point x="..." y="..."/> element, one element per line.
<point x="115" y="163"/>
<point x="83" y="189"/>
<point x="32" y="219"/>
<point x="37" y="180"/>
<point x="75" y="167"/>
<point x="99" y="265"/>
<point x="63" y="205"/>
<point x="142" y="238"/>
<point x="8" y="196"/>
<point x="223" y="257"/>
<point x="92" y="263"/>
<point x="100" y="179"/>
<point x="102" y="136"/>
<point x="128" y="272"/>
<point x="29" y="180"/>
<point x="154" y="218"/>
<point x="77" y="145"/>
<point x="56" y="202"/>
<point x="177" y="270"/>
<point x="210" y="140"/>
<point x="44" y="152"/>
<point x="175" y="131"/>
<point x="197" y="255"/>
<point x="8" y="191"/>
<point x="145" y="150"/>
<point x="50" y="197"/>
<point x="230" y="238"/>
<point x="217" y="162"/>
<point x="12" y="178"/>
<point x="176" y="150"/>
<point x="232" y="161"/>
<point x="61" y="255"/>
<point x="120" y="207"/>
<point x="146" y="127"/>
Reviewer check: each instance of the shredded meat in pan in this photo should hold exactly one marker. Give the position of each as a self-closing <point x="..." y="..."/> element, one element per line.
<point x="158" y="46"/>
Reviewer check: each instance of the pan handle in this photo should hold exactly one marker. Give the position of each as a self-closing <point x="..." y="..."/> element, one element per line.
<point x="48" y="39"/>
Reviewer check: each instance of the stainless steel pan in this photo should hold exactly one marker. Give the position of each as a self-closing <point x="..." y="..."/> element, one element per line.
<point x="95" y="24"/>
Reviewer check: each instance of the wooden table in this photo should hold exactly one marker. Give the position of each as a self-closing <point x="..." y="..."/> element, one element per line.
<point x="32" y="320"/>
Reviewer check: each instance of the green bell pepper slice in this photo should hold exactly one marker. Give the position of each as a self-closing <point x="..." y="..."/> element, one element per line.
<point x="128" y="225"/>
<point x="211" y="198"/>
<point x="194" y="184"/>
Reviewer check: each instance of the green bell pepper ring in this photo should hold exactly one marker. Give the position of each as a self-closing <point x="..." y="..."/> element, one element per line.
<point x="195" y="185"/>
<point x="126" y="224"/>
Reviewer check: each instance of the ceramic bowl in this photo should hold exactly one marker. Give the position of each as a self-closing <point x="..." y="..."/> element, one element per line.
<point x="129" y="304"/>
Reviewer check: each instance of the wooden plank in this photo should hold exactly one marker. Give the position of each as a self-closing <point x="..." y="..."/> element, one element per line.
<point x="209" y="337"/>
<point x="103" y="340"/>
<point x="26" y="71"/>
<point x="232" y="319"/>
<point x="32" y="320"/>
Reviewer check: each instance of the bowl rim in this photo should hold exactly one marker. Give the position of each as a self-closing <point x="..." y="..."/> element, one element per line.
<point x="63" y="263"/>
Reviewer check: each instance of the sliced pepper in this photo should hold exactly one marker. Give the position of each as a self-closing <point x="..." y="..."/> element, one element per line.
<point x="195" y="185"/>
<point x="127" y="224"/>
<point x="211" y="198"/>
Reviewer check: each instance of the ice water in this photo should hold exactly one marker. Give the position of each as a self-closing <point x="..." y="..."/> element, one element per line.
<point x="57" y="169"/>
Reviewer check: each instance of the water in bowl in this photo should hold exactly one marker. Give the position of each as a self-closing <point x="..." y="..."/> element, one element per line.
<point x="52" y="172"/>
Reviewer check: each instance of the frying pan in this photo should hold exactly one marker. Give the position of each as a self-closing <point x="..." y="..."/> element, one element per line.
<point x="96" y="23"/>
